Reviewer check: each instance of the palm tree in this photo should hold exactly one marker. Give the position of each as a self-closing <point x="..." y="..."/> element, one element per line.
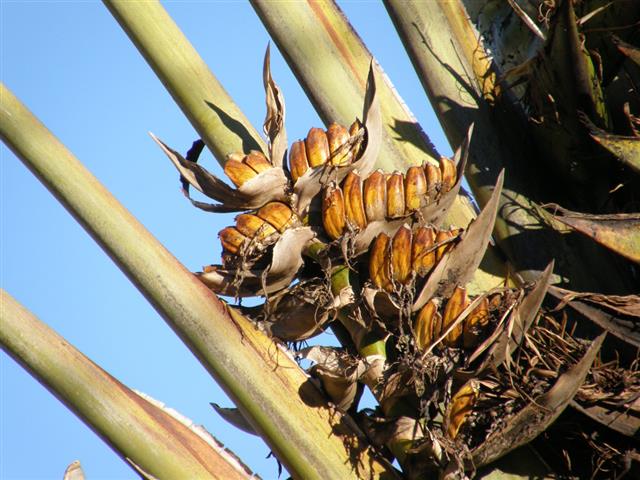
<point x="561" y="127"/>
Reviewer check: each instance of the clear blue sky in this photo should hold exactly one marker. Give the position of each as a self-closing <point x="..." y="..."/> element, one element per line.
<point x="72" y="65"/>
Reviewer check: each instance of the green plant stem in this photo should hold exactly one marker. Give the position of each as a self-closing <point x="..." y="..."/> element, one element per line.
<point x="204" y="101"/>
<point x="137" y="430"/>
<point x="272" y="392"/>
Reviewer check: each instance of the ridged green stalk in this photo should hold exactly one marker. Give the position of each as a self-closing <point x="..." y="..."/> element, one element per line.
<point x="272" y="392"/>
<point x="141" y="433"/>
<point x="204" y="101"/>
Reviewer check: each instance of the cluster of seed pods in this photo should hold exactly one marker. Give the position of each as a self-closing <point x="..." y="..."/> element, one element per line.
<point x="430" y="323"/>
<point x="409" y="253"/>
<point x="383" y="196"/>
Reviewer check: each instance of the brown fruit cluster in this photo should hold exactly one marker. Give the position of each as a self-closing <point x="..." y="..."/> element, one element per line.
<point x="336" y="146"/>
<point x="383" y="196"/>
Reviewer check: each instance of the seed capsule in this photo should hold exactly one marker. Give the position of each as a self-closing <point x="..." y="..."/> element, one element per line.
<point x="456" y="304"/>
<point x="338" y="139"/>
<point x="423" y="256"/>
<point x="252" y="226"/>
<point x="298" y="160"/>
<point x="279" y="215"/>
<point x="448" y="170"/>
<point x="434" y="179"/>
<point x="231" y="239"/>
<point x="442" y="236"/>
<point x="333" y="214"/>
<point x="395" y="195"/>
<point x="427" y="325"/>
<point x="353" y="202"/>
<point x="415" y="188"/>
<point x="379" y="265"/>
<point x="475" y="323"/>
<point x="317" y="147"/>
<point x="257" y="161"/>
<point x="461" y="406"/>
<point x="401" y="255"/>
<point x="375" y="196"/>
<point x="238" y="172"/>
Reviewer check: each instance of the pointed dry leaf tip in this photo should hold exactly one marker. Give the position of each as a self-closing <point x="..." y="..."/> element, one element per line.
<point x="235" y="418"/>
<point x="395" y="195"/>
<point x="375" y="196"/>
<point x="455" y="305"/>
<point x="427" y="325"/>
<point x="401" y="255"/>
<point x="317" y="147"/>
<point x="279" y="215"/>
<point x="275" y="117"/>
<point x="461" y="406"/>
<point x="333" y="212"/>
<point x="74" y="472"/>
<point x="423" y="256"/>
<point x="353" y="200"/>
<point x="379" y="265"/>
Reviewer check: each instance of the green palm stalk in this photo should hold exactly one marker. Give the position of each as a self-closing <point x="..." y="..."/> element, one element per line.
<point x="267" y="389"/>
<point x="144" y="435"/>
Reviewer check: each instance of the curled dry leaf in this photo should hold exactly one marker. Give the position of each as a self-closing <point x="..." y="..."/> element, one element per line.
<point x="337" y="371"/>
<point x="617" y="232"/>
<point x="274" y="121"/>
<point x="266" y="186"/>
<point x="533" y="419"/>
<point x="458" y="266"/>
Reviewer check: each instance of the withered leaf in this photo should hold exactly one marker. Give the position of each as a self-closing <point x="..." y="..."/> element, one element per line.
<point x="618" y="232"/>
<point x="338" y="372"/>
<point x="265" y="187"/>
<point x="274" y="121"/>
<point x="519" y="322"/>
<point x="533" y="419"/>
<point x="623" y="328"/>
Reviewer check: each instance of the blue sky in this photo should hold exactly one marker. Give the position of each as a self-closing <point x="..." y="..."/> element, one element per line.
<point x="72" y="65"/>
